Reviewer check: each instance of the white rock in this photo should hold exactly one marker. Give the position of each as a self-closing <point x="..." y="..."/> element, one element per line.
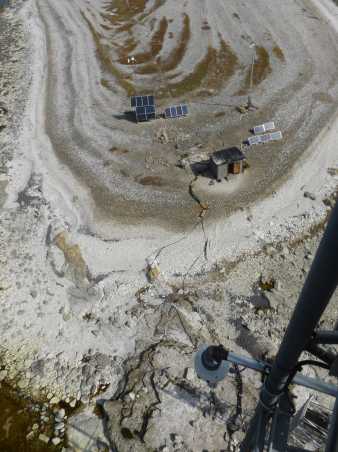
<point x="56" y="441"/>
<point x="61" y="413"/>
<point x="44" y="438"/>
<point x="60" y="426"/>
<point x="30" y="436"/>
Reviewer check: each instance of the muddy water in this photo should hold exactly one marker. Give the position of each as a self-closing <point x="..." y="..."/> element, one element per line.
<point x="16" y="421"/>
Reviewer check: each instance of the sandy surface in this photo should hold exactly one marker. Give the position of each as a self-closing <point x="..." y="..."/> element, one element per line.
<point x="77" y="225"/>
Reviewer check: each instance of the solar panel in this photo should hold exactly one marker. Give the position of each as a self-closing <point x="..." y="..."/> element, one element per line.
<point x="142" y="101"/>
<point x="176" y="111"/>
<point x="276" y="136"/>
<point x="258" y="129"/>
<point x="145" y="113"/>
<point x="266" y="127"/>
<point x="265" y="138"/>
<point x="254" y="140"/>
<point x="269" y="126"/>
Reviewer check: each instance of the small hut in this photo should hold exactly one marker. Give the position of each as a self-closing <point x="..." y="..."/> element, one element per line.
<point x="226" y="161"/>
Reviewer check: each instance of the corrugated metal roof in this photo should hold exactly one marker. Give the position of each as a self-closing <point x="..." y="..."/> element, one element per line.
<point x="226" y="156"/>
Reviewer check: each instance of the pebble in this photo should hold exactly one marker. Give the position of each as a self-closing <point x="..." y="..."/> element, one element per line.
<point x="60" y="426"/>
<point x="30" y="436"/>
<point x="3" y="375"/>
<point x="61" y="413"/>
<point x="22" y="384"/>
<point x="35" y="427"/>
<point x="43" y="438"/>
<point x="56" y="441"/>
<point x="72" y="403"/>
<point x="54" y="401"/>
<point x="309" y="195"/>
<point x="189" y="373"/>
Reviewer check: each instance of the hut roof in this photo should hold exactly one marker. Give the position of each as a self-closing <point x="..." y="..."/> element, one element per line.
<point x="226" y="156"/>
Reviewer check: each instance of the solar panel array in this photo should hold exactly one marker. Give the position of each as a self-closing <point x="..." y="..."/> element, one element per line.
<point x="144" y="107"/>
<point x="254" y="140"/>
<point x="265" y="138"/>
<point x="142" y="101"/>
<point x="176" y="111"/>
<point x="276" y="136"/>
<point x="266" y="127"/>
<point x="145" y="113"/>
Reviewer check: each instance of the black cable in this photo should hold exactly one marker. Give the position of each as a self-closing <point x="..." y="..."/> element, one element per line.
<point x="299" y="366"/>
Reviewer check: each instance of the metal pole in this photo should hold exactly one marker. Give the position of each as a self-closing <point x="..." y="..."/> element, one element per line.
<point x="332" y="441"/>
<point x="314" y="298"/>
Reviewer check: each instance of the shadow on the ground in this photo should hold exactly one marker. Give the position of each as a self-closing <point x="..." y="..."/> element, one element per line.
<point x="126" y="116"/>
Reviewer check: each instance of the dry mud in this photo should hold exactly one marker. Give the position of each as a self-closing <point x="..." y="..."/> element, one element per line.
<point x="196" y="52"/>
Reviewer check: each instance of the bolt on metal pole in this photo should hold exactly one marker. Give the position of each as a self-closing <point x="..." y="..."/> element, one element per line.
<point x="319" y="286"/>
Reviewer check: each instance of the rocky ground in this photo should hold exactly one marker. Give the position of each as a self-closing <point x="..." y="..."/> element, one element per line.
<point x="101" y="349"/>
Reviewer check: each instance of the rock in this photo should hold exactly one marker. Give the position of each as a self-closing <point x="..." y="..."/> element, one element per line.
<point x="162" y="136"/>
<point x="61" y="413"/>
<point x="22" y="384"/>
<point x="309" y="195"/>
<point x="189" y="374"/>
<point x="269" y="250"/>
<point x="30" y="436"/>
<point x="34" y="293"/>
<point x="35" y="427"/>
<point x="54" y="401"/>
<point x="44" y="438"/>
<point x="3" y="374"/>
<point x="72" y="403"/>
<point x="56" y="441"/>
<point x="60" y="426"/>
<point x="278" y="286"/>
<point x="260" y="301"/>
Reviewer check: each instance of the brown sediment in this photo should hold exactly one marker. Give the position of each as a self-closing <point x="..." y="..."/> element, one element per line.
<point x="175" y="57"/>
<point x="278" y="52"/>
<point x="210" y="73"/>
<point x="125" y="11"/>
<point x="105" y="59"/>
<point x="105" y="83"/>
<point x="262" y="66"/>
<point x="157" y="4"/>
<point x="156" y="44"/>
<point x="151" y="180"/>
<point x="261" y="70"/>
<point x="72" y="254"/>
<point x="215" y="68"/>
